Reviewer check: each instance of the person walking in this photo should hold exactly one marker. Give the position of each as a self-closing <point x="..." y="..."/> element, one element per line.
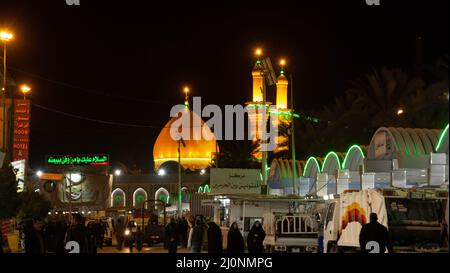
<point x="34" y="238"/>
<point x="119" y="231"/>
<point x="183" y="230"/>
<point x="139" y="239"/>
<point x="92" y="237"/>
<point x="375" y="232"/>
<point x="235" y="244"/>
<point x="215" y="242"/>
<point x="195" y="240"/>
<point x="172" y="236"/>
<point x="79" y="233"/>
<point x="255" y="239"/>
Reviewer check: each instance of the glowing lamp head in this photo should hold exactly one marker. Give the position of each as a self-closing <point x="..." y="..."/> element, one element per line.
<point x="282" y="62"/>
<point x="186" y="89"/>
<point x="258" y="52"/>
<point x="5" y="36"/>
<point x="39" y="173"/>
<point x="161" y="172"/>
<point x="117" y="172"/>
<point x="25" y="89"/>
<point x="203" y="171"/>
<point x="400" y="111"/>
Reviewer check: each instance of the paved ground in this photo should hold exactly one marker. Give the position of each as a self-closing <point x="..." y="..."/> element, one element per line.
<point x="146" y="249"/>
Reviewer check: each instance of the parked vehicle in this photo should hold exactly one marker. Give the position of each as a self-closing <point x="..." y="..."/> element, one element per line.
<point x="415" y="218"/>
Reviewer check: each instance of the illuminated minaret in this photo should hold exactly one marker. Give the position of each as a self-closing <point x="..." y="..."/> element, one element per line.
<point x="282" y="108"/>
<point x="256" y="105"/>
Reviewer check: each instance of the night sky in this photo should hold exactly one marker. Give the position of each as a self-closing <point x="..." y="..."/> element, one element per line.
<point x="126" y="61"/>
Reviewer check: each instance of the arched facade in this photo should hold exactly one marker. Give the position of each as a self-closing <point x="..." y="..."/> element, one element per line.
<point x="354" y="158"/>
<point x="312" y="167"/>
<point x="442" y="146"/>
<point x="393" y="148"/>
<point x="118" y="198"/>
<point x="162" y="194"/>
<point x="332" y="163"/>
<point x="389" y="142"/>
<point x="281" y="170"/>
<point x="139" y="197"/>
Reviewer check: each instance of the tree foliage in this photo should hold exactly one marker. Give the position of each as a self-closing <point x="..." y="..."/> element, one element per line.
<point x="373" y="101"/>
<point x="33" y="204"/>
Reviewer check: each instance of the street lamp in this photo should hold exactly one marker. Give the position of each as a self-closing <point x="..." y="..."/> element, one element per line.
<point x="258" y="52"/>
<point x="117" y="172"/>
<point x="400" y="111"/>
<point x="24" y="89"/>
<point x="161" y="172"/>
<point x="5" y="37"/>
<point x="180" y="142"/>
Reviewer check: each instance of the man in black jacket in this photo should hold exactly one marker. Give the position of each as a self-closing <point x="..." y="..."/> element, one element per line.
<point x="34" y="238"/>
<point x="79" y="233"/>
<point x="374" y="232"/>
<point x="172" y="236"/>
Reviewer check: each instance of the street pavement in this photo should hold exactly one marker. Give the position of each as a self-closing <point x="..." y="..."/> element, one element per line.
<point x="145" y="249"/>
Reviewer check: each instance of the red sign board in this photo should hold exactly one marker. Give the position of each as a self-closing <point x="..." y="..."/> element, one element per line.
<point x="21" y="134"/>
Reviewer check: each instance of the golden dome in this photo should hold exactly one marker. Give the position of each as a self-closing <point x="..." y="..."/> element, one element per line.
<point x="196" y="155"/>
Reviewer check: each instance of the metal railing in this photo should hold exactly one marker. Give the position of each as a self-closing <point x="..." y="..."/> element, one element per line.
<point x="297" y="224"/>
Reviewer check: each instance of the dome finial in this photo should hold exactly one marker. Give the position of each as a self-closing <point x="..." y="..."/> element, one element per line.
<point x="282" y="64"/>
<point x="258" y="53"/>
<point x="186" y="96"/>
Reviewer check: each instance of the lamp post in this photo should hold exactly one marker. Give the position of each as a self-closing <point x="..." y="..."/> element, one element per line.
<point x="180" y="142"/>
<point x="294" y="163"/>
<point x="5" y="37"/>
<point x="25" y="89"/>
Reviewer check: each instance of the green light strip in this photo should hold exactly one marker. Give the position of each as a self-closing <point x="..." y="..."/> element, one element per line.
<point x="326" y="158"/>
<point x="285" y="113"/>
<point x="308" y="162"/>
<point x="348" y="152"/>
<point x="441" y="138"/>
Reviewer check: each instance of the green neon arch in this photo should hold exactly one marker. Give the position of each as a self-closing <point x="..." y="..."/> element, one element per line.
<point x="326" y="159"/>
<point x="441" y="138"/>
<point x="314" y="160"/>
<point x="348" y="153"/>
<point x="204" y="189"/>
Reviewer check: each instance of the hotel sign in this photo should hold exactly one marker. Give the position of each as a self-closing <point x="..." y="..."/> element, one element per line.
<point x="21" y="133"/>
<point x="86" y="160"/>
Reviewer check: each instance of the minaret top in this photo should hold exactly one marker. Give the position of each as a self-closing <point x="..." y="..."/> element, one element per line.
<point x="186" y="96"/>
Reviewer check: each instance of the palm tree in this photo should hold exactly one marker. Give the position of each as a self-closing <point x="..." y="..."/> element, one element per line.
<point x="238" y="154"/>
<point x="384" y="92"/>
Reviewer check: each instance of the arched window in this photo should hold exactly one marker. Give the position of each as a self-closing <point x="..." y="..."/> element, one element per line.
<point x="162" y="194"/>
<point x="118" y="198"/>
<point x="139" y="197"/>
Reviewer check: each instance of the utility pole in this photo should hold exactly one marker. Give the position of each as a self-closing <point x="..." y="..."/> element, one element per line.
<point x="180" y="194"/>
<point x="294" y="163"/>
<point x="264" y="135"/>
